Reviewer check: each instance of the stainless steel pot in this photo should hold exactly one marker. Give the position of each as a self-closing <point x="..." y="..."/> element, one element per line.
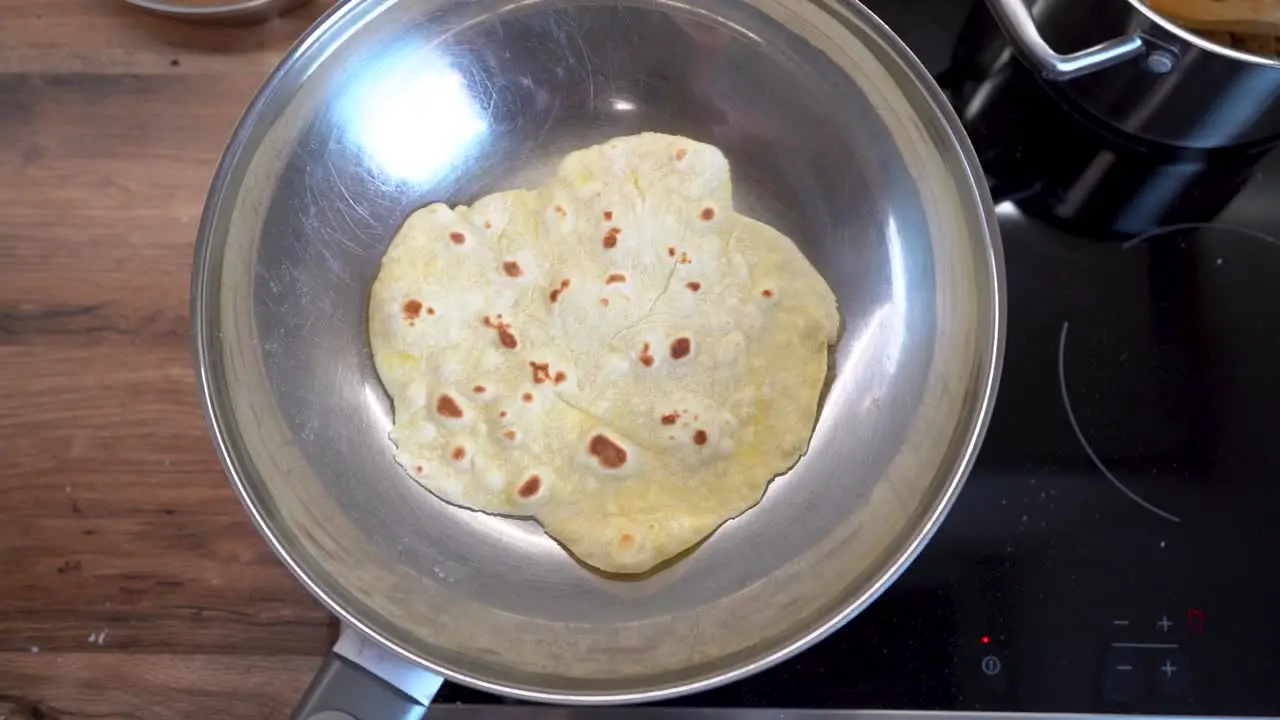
<point x="835" y="134"/>
<point x="1140" y="73"/>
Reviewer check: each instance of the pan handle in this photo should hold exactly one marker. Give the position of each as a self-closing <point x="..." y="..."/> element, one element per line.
<point x="360" y="680"/>
<point x="1018" y="23"/>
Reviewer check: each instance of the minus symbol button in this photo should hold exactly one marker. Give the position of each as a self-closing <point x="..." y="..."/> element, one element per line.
<point x="1120" y="623"/>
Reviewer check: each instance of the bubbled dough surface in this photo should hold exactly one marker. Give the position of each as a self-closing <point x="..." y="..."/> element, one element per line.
<point x="617" y="353"/>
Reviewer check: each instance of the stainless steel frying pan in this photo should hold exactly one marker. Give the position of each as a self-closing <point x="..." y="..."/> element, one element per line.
<point x="835" y="135"/>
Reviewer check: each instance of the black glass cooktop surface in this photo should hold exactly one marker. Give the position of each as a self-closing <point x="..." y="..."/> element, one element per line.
<point x="1115" y="548"/>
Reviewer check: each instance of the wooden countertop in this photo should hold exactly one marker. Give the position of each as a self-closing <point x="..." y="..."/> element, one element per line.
<point x="133" y="583"/>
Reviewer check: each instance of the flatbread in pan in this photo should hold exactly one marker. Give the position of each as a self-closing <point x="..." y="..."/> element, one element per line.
<point x="617" y="354"/>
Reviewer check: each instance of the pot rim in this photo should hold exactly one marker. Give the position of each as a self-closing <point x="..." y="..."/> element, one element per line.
<point x="1199" y="41"/>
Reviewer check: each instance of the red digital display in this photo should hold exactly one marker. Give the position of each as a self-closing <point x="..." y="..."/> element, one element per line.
<point x="1195" y="620"/>
<point x="986" y="639"/>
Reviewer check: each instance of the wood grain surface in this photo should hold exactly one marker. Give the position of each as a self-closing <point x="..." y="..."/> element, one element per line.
<point x="133" y="583"/>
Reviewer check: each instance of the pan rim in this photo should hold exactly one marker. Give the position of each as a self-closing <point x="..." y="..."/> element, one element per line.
<point x="205" y="323"/>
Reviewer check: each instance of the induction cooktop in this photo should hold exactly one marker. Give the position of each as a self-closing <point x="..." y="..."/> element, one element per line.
<point x="1115" y="547"/>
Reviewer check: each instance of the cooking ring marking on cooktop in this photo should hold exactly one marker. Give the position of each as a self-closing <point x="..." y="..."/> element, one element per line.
<point x="1198" y="226"/>
<point x="1071" y="416"/>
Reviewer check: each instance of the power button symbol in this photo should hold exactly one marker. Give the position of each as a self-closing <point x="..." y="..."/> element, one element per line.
<point x="991" y="665"/>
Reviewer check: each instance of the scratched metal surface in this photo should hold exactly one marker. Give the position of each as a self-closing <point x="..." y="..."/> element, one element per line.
<point x="834" y="136"/>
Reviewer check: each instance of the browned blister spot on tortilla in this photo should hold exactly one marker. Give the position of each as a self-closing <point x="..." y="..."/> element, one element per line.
<point x="511" y="268"/>
<point x="431" y="310"/>
<point x="671" y="252"/>
<point x="505" y="337"/>
<point x="555" y="292"/>
<point x="608" y="453"/>
<point x="708" y="214"/>
<point x="613" y="278"/>
<point x="446" y="406"/>
<point x="670" y="418"/>
<point x="412" y="309"/>
<point x="604" y="302"/>
<point x="502" y="414"/>
<point x="680" y="347"/>
<point x="559" y="378"/>
<point x="608" y="215"/>
<point x="685" y="259"/>
<point x="681" y="154"/>
<point x="699" y="437"/>
<point x="527" y="397"/>
<point x="509" y="434"/>
<point x="626" y="540"/>
<point x="610" y="240"/>
<point x="459" y="453"/>
<point x="559" y="210"/>
<point x="645" y="357"/>
<point x="541" y="372"/>
<point x="477" y="389"/>
<point x="418" y="469"/>
<point x="694" y="286"/>
<point x="457" y="238"/>
<point x="530" y="486"/>
<point x="488" y="225"/>
<point x="766" y="293"/>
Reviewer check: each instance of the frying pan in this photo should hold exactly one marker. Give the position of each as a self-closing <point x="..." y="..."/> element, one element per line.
<point x="835" y="134"/>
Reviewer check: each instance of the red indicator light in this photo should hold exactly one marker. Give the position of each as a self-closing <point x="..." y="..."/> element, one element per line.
<point x="1195" y="620"/>
<point x="986" y="639"/>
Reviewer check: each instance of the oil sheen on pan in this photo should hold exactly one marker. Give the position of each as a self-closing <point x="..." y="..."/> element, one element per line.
<point x="617" y="354"/>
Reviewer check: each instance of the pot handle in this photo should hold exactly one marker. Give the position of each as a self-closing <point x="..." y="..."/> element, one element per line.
<point x="360" y="680"/>
<point x="1017" y="22"/>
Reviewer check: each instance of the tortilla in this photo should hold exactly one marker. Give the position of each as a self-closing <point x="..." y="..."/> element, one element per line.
<point x="617" y="353"/>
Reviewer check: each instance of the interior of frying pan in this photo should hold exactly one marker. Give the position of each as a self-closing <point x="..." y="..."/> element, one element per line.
<point x="832" y="136"/>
